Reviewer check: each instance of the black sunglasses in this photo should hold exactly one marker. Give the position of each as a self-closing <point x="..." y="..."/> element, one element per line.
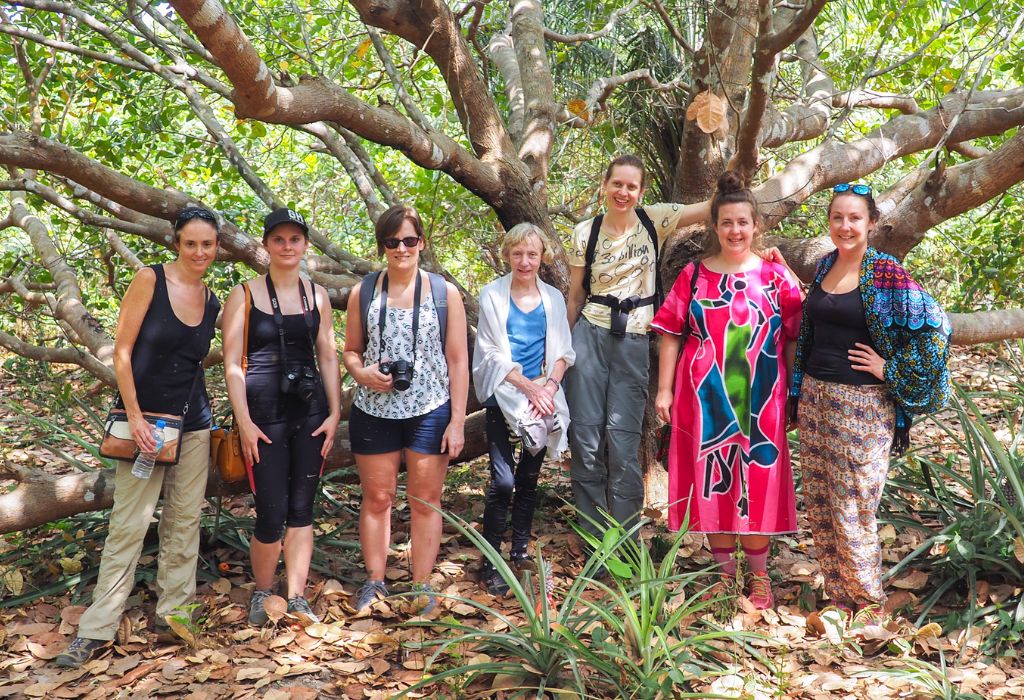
<point x="409" y="241"/>
<point x="191" y="213"/>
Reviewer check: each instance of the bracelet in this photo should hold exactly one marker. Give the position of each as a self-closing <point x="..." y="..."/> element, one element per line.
<point x="551" y="379"/>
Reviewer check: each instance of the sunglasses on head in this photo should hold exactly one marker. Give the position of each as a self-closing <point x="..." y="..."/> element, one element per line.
<point x="409" y="241"/>
<point x="862" y="190"/>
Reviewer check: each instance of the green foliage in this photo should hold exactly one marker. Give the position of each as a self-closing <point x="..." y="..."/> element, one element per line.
<point x="976" y="495"/>
<point x="637" y="636"/>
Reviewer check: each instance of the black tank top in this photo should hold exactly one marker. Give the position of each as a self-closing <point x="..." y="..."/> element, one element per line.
<point x="838" y="323"/>
<point x="263" y="374"/>
<point x="166" y="357"/>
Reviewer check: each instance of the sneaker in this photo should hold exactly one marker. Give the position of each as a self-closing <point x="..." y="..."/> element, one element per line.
<point x="79" y="651"/>
<point x="257" y="613"/>
<point x="491" y="580"/>
<point x="370" y="593"/>
<point x="760" y="587"/>
<point x="299" y="607"/>
<point x="424" y="598"/>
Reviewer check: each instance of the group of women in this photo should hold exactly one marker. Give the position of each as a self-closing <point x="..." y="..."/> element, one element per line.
<point x="743" y="356"/>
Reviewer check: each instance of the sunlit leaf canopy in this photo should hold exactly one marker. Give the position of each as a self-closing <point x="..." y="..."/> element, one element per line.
<point x="124" y="85"/>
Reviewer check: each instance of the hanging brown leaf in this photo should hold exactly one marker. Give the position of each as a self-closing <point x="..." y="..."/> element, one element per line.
<point x="578" y="107"/>
<point x="708" y="109"/>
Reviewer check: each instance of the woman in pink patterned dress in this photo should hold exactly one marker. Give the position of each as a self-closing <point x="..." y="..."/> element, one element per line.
<point x="735" y="318"/>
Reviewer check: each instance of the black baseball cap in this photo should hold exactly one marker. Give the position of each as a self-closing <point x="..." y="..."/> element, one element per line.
<point x="284" y="215"/>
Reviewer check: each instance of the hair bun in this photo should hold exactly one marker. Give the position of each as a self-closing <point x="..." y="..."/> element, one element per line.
<point x="729" y="182"/>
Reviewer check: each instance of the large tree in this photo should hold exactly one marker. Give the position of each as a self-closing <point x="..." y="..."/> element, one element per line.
<point x="116" y="115"/>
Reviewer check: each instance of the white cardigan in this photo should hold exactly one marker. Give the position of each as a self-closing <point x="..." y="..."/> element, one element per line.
<point x="492" y="355"/>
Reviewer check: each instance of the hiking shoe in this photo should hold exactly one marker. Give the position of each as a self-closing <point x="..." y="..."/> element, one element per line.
<point x="79" y="651"/>
<point x="492" y="581"/>
<point x="424" y="598"/>
<point x="299" y="607"/>
<point x="760" y="590"/>
<point x="257" y="613"/>
<point x="370" y="593"/>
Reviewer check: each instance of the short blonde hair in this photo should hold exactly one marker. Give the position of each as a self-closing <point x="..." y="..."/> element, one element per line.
<point x="520" y="233"/>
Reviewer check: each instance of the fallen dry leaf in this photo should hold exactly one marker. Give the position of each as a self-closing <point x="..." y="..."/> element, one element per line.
<point x="913" y="581"/>
<point x="221" y="586"/>
<point x="276" y="607"/>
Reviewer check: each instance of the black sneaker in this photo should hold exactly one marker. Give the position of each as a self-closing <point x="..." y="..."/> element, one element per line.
<point x="79" y="651"/>
<point x="492" y="581"/>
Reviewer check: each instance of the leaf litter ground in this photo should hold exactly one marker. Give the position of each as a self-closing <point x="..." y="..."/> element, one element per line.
<point x="377" y="655"/>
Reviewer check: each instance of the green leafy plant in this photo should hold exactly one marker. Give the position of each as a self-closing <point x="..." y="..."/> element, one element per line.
<point x="642" y="635"/>
<point x="979" y="502"/>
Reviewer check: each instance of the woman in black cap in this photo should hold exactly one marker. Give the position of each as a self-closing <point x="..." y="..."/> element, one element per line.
<point x="281" y="370"/>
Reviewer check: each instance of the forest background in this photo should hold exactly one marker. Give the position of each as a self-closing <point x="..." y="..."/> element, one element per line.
<point x="484" y="114"/>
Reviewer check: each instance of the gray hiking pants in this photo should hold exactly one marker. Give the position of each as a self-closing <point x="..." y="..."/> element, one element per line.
<point x="607" y="394"/>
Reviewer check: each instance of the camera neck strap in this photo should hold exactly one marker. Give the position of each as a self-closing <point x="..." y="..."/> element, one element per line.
<point x="307" y="316"/>
<point x="416" y="296"/>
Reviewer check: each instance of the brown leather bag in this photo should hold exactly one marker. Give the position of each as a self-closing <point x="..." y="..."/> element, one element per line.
<point x="225" y="443"/>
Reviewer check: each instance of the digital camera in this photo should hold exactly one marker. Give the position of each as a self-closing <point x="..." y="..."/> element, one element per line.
<point x="301" y="382"/>
<point x="400" y="371"/>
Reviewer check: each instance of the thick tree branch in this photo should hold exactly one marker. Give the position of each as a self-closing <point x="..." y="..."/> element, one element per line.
<point x="948" y="192"/>
<point x="986" y="114"/>
<point x="503" y="53"/>
<point x="68" y="305"/>
<point x="336" y="146"/>
<point x="539" y="91"/>
<point x="603" y="88"/>
<point x="126" y="253"/>
<point x="71" y="356"/>
<point x="769" y="44"/>
<point x="987" y="326"/>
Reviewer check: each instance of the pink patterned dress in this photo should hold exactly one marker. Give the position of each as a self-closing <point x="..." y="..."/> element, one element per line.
<point x="728" y="463"/>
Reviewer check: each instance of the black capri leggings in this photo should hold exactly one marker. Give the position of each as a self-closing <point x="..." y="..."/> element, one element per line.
<point x="285" y="479"/>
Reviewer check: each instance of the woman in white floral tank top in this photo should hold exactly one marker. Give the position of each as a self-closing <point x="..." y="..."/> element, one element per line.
<point x="410" y="402"/>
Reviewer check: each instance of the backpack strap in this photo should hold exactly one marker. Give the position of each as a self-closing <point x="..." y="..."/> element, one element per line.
<point x="647" y="223"/>
<point x="439" y="292"/>
<point x="366" y="288"/>
<point x="588" y="257"/>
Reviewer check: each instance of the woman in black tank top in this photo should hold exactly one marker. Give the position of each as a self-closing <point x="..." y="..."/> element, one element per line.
<point x="163" y="333"/>
<point x="287" y="404"/>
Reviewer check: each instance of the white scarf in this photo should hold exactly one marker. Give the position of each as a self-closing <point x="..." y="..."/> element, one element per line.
<point x="492" y="355"/>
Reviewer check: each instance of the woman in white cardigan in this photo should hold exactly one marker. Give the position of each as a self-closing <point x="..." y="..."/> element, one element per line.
<point x="523" y="347"/>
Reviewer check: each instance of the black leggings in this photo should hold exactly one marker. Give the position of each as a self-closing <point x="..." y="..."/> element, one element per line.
<point x="512" y="483"/>
<point x="285" y="479"/>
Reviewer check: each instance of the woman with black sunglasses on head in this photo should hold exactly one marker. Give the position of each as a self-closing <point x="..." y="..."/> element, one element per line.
<point x="405" y="346"/>
<point x="872" y="353"/>
<point x="163" y="334"/>
<point x="286" y="398"/>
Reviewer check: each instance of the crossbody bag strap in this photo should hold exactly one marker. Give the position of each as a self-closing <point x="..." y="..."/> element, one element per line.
<point x="693" y="295"/>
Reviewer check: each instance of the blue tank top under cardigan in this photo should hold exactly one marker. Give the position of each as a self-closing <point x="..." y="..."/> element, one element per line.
<point x="526" y="331"/>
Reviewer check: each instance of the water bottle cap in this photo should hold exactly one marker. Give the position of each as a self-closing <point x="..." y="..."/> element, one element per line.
<point x="161" y="424"/>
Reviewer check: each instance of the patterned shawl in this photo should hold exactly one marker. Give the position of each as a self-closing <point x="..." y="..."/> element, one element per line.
<point x="908" y="329"/>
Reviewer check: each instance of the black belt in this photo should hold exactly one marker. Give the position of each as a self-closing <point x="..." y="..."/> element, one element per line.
<point x="620" y="308"/>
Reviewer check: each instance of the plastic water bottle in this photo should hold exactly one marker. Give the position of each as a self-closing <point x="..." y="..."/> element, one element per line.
<point x="143" y="466"/>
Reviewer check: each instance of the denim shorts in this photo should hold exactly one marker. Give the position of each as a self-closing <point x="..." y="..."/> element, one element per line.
<point x="371" y="435"/>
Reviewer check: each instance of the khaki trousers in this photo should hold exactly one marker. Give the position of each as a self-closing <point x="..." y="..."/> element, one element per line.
<point x="184" y="489"/>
